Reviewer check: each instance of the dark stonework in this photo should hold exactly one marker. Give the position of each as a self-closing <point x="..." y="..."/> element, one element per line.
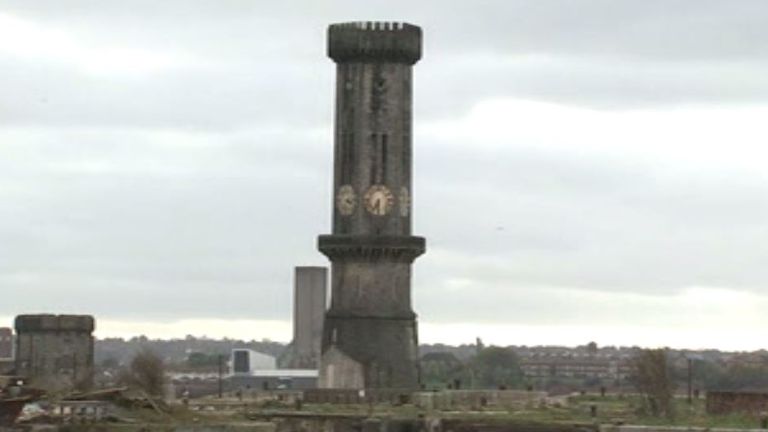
<point x="370" y="335"/>
<point x="374" y="41"/>
<point x="55" y="351"/>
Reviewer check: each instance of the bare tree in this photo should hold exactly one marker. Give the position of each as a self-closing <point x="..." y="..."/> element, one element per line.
<point x="146" y="372"/>
<point x="653" y="380"/>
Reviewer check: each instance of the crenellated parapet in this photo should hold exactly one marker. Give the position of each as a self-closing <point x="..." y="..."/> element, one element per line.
<point x="54" y="323"/>
<point x="374" y="41"/>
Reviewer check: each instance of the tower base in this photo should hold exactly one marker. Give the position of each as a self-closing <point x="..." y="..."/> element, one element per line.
<point x="369" y="352"/>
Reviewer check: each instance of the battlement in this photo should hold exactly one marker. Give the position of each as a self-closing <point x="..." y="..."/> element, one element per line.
<point x="374" y="41"/>
<point x="54" y="323"/>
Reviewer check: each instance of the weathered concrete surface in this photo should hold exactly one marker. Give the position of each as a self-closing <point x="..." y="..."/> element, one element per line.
<point x="338" y="423"/>
<point x="6" y="343"/>
<point x="148" y="427"/>
<point x="476" y="399"/>
<point x="727" y="402"/>
<point x="505" y="425"/>
<point x="340" y="371"/>
<point x="232" y="427"/>
<point x="310" y="287"/>
<point x="370" y="320"/>
<point x="631" y="428"/>
<point x="55" y="351"/>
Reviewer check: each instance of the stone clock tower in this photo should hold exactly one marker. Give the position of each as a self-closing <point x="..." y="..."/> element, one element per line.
<point x="369" y="335"/>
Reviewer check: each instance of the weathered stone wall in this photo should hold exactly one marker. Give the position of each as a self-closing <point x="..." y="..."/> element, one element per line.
<point x="354" y="396"/>
<point x="55" y="351"/>
<point x="340" y="371"/>
<point x="630" y="428"/>
<point x="444" y="400"/>
<point x="476" y="399"/>
<point x="6" y="343"/>
<point x="7" y="366"/>
<point x="726" y="402"/>
<point x="505" y="425"/>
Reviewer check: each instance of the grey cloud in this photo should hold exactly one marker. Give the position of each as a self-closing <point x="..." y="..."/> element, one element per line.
<point x="123" y="241"/>
<point x="657" y="29"/>
<point x="255" y="95"/>
<point x="209" y="181"/>
<point x="604" y="83"/>
<point x="542" y="305"/>
<point x="521" y="218"/>
<point x="677" y="29"/>
<point x="256" y="63"/>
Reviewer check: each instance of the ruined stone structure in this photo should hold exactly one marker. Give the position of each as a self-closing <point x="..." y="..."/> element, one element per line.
<point x="6" y="343"/>
<point x="369" y="337"/>
<point x="6" y="351"/>
<point x="310" y="285"/>
<point x="55" y="351"/>
<point x="729" y="402"/>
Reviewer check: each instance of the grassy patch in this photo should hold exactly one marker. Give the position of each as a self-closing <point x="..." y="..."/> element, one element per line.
<point x="575" y="410"/>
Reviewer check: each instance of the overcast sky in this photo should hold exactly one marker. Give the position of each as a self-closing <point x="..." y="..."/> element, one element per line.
<point x="584" y="170"/>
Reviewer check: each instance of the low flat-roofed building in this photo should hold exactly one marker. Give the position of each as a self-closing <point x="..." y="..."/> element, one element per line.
<point x="275" y="379"/>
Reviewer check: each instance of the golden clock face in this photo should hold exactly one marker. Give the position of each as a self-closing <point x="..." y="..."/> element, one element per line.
<point x="346" y="200"/>
<point x="405" y="202"/>
<point x="379" y="200"/>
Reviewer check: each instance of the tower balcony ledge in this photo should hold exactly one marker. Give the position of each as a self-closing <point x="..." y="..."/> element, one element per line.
<point x="371" y="247"/>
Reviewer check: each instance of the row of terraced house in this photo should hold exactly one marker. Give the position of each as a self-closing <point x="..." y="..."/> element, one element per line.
<point x="576" y="367"/>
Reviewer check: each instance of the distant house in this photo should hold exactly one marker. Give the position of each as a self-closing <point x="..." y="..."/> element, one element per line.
<point x="575" y="367"/>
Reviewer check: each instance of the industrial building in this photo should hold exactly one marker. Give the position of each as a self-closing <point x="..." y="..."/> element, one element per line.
<point x="254" y="370"/>
<point x="310" y="286"/>
<point x="246" y="361"/>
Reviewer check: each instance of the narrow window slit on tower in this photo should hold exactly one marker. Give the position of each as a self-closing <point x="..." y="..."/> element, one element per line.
<point x="383" y="175"/>
<point x="345" y="148"/>
<point x="375" y="178"/>
<point x="349" y="155"/>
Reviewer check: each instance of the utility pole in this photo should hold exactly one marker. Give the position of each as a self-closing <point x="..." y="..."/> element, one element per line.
<point x="690" y="380"/>
<point x="221" y="372"/>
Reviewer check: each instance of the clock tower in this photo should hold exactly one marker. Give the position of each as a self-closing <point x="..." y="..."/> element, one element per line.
<point x="369" y="335"/>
